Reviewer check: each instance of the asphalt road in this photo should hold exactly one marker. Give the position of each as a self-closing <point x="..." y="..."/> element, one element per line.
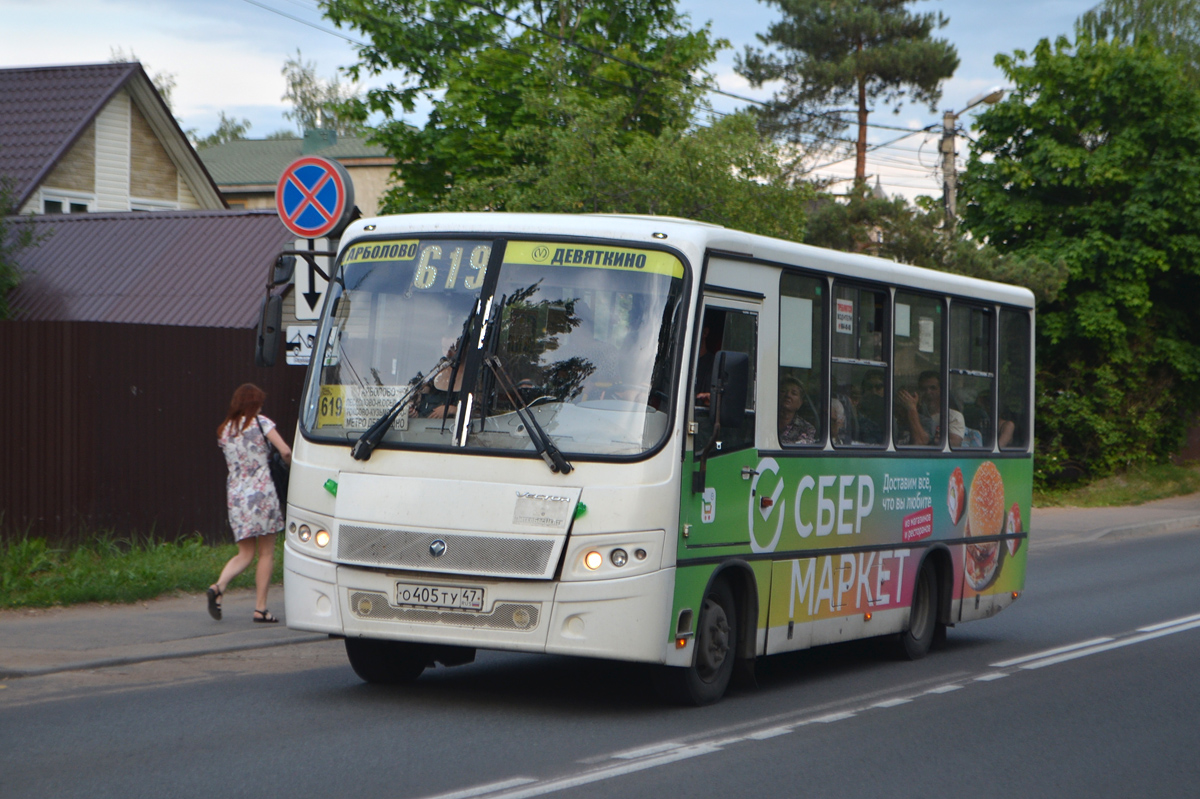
<point x="999" y="711"/>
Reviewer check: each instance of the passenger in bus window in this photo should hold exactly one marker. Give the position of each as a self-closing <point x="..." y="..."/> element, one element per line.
<point x="872" y="408"/>
<point x="793" y="427"/>
<point x="839" y="430"/>
<point x="919" y="415"/>
<point x="434" y="397"/>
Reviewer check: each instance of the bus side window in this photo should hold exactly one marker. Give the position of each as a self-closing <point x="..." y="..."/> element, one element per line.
<point x="736" y="331"/>
<point x="1013" y="410"/>
<point x="917" y="370"/>
<point x="972" y="380"/>
<point x="859" y="359"/>
<point x="803" y="409"/>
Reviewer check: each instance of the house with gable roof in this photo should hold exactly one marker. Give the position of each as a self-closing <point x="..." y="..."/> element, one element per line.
<point x="93" y="138"/>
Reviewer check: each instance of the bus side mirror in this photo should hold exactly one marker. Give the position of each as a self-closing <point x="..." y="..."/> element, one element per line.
<point x="266" y="341"/>
<point x="731" y="378"/>
<point x="285" y="269"/>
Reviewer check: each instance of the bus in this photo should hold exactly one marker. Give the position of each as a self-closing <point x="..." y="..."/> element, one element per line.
<point x="651" y="439"/>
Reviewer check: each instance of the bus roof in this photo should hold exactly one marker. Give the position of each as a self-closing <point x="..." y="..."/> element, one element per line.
<point x="697" y="239"/>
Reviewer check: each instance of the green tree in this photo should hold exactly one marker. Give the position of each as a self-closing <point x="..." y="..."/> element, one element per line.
<point x="1172" y="25"/>
<point x="829" y="53"/>
<point x="228" y="129"/>
<point x="487" y="71"/>
<point x="1094" y="159"/>
<point x="726" y="174"/>
<point x="16" y="235"/>
<point x="318" y="104"/>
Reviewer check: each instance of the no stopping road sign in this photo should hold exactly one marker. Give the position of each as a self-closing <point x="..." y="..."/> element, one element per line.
<point x="314" y="197"/>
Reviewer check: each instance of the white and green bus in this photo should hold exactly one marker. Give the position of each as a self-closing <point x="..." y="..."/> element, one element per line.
<point x="654" y="440"/>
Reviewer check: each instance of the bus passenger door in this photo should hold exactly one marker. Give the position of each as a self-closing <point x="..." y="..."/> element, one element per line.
<point x="715" y="503"/>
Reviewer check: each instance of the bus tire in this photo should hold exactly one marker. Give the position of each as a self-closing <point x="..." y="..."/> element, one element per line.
<point x="705" y="681"/>
<point x="916" y="640"/>
<point x="386" y="662"/>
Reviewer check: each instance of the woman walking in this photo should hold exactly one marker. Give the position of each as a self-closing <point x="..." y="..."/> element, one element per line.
<point x="255" y="512"/>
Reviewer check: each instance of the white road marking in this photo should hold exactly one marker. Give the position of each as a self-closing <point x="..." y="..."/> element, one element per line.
<point x="1004" y="664"/>
<point x="480" y="790"/>
<point x="551" y="786"/>
<point x="1137" y="639"/>
<point x="774" y="732"/>
<point x="995" y="675"/>
<point x="832" y="717"/>
<point x="945" y="689"/>
<point x="891" y="703"/>
<point x="646" y="751"/>
<point x="1156" y="627"/>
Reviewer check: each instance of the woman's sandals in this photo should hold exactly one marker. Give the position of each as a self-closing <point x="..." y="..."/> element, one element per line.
<point x="214" y="601"/>
<point x="264" y="617"/>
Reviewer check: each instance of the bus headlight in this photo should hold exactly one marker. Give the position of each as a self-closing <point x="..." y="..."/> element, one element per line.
<point x="304" y="533"/>
<point x="322" y="538"/>
<point x="593" y="560"/>
<point x="619" y="557"/>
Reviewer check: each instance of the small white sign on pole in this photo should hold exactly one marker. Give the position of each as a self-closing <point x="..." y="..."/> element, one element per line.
<point x="310" y="286"/>
<point x="300" y="340"/>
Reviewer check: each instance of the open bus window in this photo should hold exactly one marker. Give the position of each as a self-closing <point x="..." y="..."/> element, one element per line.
<point x="917" y="371"/>
<point x="733" y="331"/>
<point x="972" y="380"/>
<point x="859" y="361"/>
<point x="1013" y="426"/>
<point x="802" y="406"/>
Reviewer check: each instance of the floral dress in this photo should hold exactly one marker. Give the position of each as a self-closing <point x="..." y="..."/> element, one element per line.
<point x="253" y="504"/>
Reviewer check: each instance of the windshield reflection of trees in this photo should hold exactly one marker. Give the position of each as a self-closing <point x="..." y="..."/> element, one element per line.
<point x="532" y="330"/>
<point x="566" y="350"/>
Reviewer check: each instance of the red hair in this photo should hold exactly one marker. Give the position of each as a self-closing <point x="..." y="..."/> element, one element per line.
<point x="246" y="403"/>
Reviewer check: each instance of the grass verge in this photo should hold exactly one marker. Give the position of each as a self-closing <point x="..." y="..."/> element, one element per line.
<point x="111" y="569"/>
<point x="1136" y="486"/>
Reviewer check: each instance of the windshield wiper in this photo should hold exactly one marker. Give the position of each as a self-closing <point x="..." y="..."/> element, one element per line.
<point x="371" y="437"/>
<point x="541" y="441"/>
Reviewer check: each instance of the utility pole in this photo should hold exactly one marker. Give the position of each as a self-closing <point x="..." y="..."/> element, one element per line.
<point x="949" y="170"/>
<point x="950" y="157"/>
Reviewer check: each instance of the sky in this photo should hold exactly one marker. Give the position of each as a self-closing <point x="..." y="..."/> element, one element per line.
<point x="227" y="55"/>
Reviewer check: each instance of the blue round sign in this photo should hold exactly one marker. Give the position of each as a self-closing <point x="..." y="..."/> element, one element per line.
<point x="314" y="197"/>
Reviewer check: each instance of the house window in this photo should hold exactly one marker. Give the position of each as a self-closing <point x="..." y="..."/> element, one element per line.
<point x="52" y="207"/>
<point x="79" y="208"/>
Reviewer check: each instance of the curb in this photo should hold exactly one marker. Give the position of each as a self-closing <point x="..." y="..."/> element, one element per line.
<point x="1176" y="525"/>
<point x="100" y="663"/>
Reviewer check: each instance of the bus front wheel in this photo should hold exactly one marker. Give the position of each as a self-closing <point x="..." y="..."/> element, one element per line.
<point x="705" y="681"/>
<point x="922" y="618"/>
<point x="386" y="662"/>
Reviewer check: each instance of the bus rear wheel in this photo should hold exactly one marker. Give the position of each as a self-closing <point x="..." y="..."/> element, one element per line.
<point x="386" y="662"/>
<point x="706" y="680"/>
<point x="922" y="618"/>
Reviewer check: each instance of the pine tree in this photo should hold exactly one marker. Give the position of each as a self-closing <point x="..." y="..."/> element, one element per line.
<point x="831" y="52"/>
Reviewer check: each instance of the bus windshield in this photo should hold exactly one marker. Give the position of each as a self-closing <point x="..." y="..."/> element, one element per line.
<point x="581" y="336"/>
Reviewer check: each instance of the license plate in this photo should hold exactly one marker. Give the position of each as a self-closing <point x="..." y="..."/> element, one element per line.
<point x="439" y="596"/>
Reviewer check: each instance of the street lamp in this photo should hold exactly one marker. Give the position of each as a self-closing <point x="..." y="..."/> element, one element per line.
<point x="949" y="156"/>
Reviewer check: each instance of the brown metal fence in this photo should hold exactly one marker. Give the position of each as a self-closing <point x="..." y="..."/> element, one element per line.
<point x="112" y="427"/>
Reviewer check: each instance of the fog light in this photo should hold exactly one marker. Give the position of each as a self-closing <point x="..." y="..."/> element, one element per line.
<point x="293" y="527"/>
<point x="521" y="617"/>
<point x="364" y="607"/>
<point x="322" y="538"/>
<point x="640" y="554"/>
<point x="619" y="557"/>
<point x="593" y="560"/>
<point x="305" y="532"/>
